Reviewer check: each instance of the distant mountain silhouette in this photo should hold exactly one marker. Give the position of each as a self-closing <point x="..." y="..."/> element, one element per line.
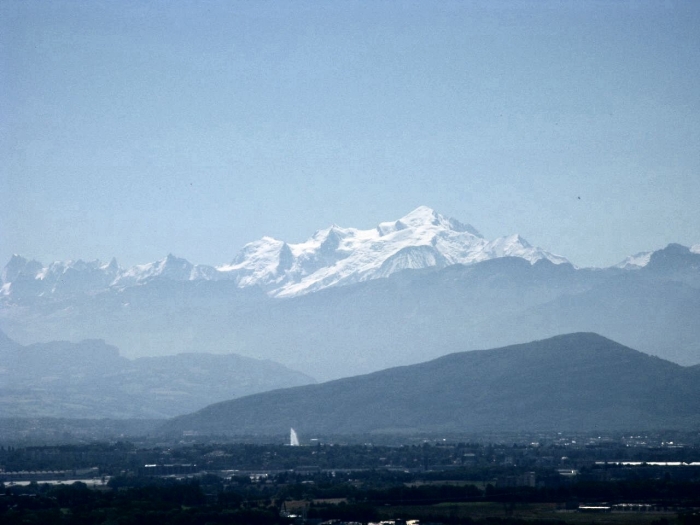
<point x="676" y="262"/>
<point x="91" y="380"/>
<point x="332" y="256"/>
<point x="579" y="381"/>
<point x="410" y="317"/>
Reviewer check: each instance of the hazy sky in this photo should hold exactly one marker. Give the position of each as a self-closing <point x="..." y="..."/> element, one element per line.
<point x="135" y="129"/>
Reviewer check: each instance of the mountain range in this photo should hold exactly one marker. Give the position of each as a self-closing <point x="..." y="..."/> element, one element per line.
<point x="91" y="380"/>
<point x="571" y="382"/>
<point x="349" y="302"/>
<point x="331" y="257"/>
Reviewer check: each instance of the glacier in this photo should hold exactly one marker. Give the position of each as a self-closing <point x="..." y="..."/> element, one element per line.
<point x="338" y="256"/>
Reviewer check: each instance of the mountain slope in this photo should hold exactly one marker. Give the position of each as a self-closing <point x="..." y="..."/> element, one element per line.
<point x="91" y="379"/>
<point x="572" y="382"/>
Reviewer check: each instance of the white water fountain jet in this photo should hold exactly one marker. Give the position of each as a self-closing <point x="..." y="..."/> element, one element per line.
<point x="293" y="438"/>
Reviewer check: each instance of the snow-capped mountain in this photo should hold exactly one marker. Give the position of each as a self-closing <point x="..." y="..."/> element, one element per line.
<point x="338" y="256"/>
<point x="634" y="262"/>
<point x="333" y="256"/>
<point x="21" y="276"/>
<point x="173" y="268"/>
<point x="642" y="259"/>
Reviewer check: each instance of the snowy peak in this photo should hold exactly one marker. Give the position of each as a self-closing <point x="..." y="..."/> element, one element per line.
<point x="18" y="269"/>
<point x="671" y="252"/>
<point x="22" y="278"/>
<point x="634" y="262"/>
<point x="175" y="267"/>
<point x="16" y="266"/>
<point x="336" y="256"/>
<point x="424" y="217"/>
<point x="516" y="246"/>
<point x="673" y="258"/>
<point x="111" y="266"/>
<point x="171" y="268"/>
<point x="259" y="261"/>
<point x="58" y="278"/>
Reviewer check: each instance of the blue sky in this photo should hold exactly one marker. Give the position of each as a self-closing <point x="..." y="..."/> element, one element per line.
<point x="135" y="129"/>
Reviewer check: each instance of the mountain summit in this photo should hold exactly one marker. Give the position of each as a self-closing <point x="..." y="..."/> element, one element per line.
<point x="337" y="256"/>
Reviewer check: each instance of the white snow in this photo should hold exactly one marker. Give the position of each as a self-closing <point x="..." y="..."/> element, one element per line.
<point x="635" y="262"/>
<point x="173" y="268"/>
<point x="336" y="256"/>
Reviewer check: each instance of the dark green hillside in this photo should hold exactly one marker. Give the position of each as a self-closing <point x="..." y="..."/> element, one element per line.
<point x="571" y="382"/>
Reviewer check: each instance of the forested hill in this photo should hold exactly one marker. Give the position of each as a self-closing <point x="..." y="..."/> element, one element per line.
<point x="579" y="381"/>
